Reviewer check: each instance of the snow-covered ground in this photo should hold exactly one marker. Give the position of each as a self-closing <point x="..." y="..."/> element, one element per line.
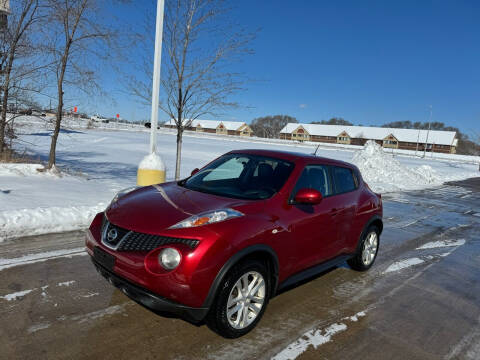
<point x="96" y="163"/>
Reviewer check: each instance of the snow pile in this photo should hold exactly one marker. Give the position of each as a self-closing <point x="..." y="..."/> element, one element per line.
<point x="428" y="173"/>
<point x="20" y="169"/>
<point x="16" y="223"/>
<point x="34" y="203"/>
<point x="384" y="173"/>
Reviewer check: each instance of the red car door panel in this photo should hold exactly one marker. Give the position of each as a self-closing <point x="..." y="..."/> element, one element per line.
<point x="313" y="234"/>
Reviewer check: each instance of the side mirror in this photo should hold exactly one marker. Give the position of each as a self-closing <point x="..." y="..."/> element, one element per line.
<point x="194" y="171"/>
<point x="308" y="196"/>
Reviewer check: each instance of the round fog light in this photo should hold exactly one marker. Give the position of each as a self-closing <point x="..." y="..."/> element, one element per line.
<point x="169" y="258"/>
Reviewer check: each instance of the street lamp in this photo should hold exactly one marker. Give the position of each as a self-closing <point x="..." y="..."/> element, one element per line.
<point x="152" y="168"/>
<point x="428" y="132"/>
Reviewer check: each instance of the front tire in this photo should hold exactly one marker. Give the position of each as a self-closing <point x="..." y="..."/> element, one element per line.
<point x="367" y="250"/>
<point x="241" y="301"/>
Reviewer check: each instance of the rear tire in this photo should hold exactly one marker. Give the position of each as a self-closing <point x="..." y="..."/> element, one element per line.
<point x="367" y="250"/>
<point x="241" y="300"/>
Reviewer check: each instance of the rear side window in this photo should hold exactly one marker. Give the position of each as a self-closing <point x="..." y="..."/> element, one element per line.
<point x="343" y="179"/>
<point x="314" y="177"/>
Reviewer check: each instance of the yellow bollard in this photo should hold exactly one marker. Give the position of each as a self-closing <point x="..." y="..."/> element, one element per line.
<point x="151" y="170"/>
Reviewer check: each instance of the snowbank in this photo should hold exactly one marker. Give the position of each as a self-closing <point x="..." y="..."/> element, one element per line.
<point x="34" y="203"/>
<point x="20" y="169"/>
<point x="17" y="223"/>
<point x="384" y="173"/>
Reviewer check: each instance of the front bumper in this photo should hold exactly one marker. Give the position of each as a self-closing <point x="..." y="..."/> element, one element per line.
<point x="149" y="299"/>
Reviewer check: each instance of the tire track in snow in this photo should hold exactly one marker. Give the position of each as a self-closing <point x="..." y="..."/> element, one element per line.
<point x="40" y="257"/>
<point x="315" y="338"/>
<point x="16" y="295"/>
<point x="82" y="318"/>
<point x="22" y="293"/>
<point x="406" y="263"/>
<point x="441" y="244"/>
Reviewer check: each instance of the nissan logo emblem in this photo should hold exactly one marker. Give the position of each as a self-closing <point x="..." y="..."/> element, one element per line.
<point x="112" y="235"/>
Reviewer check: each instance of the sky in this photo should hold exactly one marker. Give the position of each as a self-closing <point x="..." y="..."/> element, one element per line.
<point x="369" y="62"/>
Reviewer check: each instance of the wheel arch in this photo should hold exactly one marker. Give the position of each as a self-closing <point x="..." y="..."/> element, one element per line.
<point x="375" y="220"/>
<point x="260" y="251"/>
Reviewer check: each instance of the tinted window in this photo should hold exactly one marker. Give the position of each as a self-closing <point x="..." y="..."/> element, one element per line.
<point x="242" y="176"/>
<point x="314" y="177"/>
<point x="343" y="179"/>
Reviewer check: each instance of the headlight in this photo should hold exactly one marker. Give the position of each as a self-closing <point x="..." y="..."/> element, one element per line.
<point x="123" y="192"/>
<point x="169" y="258"/>
<point x="208" y="217"/>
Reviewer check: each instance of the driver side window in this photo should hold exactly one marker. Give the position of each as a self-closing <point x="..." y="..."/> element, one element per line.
<point x="314" y="177"/>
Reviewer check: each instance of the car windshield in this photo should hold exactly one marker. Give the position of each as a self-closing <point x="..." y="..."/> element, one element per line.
<point x="241" y="176"/>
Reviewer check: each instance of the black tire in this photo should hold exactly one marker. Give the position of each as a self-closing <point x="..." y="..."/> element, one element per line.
<point x="357" y="262"/>
<point x="217" y="317"/>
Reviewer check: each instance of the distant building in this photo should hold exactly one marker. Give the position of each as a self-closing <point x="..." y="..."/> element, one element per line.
<point x="407" y="139"/>
<point x="5" y="6"/>
<point x="216" y="127"/>
<point x="4" y="12"/>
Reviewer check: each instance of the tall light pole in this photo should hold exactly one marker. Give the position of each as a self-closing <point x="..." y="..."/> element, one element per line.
<point x="152" y="168"/>
<point x="428" y="132"/>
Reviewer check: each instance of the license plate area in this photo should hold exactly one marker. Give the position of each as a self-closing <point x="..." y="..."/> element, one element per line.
<point x="104" y="258"/>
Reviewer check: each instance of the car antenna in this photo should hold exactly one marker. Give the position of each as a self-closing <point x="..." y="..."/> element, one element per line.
<point x="315" y="153"/>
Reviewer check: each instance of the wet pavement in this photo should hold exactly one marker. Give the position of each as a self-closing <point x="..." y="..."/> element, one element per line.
<point x="421" y="299"/>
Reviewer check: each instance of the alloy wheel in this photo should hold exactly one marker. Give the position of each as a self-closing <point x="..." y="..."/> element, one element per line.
<point x="246" y="300"/>
<point x="370" y="248"/>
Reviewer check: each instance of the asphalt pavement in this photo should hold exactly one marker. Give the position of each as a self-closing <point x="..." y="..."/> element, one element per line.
<point x="421" y="299"/>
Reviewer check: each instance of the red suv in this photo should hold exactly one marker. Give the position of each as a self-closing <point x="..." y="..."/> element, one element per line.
<point x="218" y="245"/>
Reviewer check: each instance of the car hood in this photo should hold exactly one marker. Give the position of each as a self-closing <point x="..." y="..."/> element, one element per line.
<point x="152" y="209"/>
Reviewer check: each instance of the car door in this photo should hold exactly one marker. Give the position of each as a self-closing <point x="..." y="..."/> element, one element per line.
<point x="345" y="196"/>
<point x="311" y="227"/>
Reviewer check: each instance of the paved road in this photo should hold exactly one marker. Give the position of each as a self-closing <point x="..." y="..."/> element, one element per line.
<point x="421" y="300"/>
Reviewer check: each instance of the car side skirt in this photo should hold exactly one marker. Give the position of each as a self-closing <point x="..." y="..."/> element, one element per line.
<point x="312" y="271"/>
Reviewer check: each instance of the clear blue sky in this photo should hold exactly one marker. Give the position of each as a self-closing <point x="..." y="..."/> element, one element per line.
<point x="369" y="62"/>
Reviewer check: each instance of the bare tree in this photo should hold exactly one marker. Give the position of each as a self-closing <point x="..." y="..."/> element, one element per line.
<point x="74" y="37"/>
<point x="200" y="45"/>
<point x="474" y="148"/>
<point x="23" y="15"/>
<point x="270" y="126"/>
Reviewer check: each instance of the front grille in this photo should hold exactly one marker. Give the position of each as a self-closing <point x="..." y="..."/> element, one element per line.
<point x="127" y="240"/>
<point x="112" y="235"/>
<point x="135" y="241"/>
